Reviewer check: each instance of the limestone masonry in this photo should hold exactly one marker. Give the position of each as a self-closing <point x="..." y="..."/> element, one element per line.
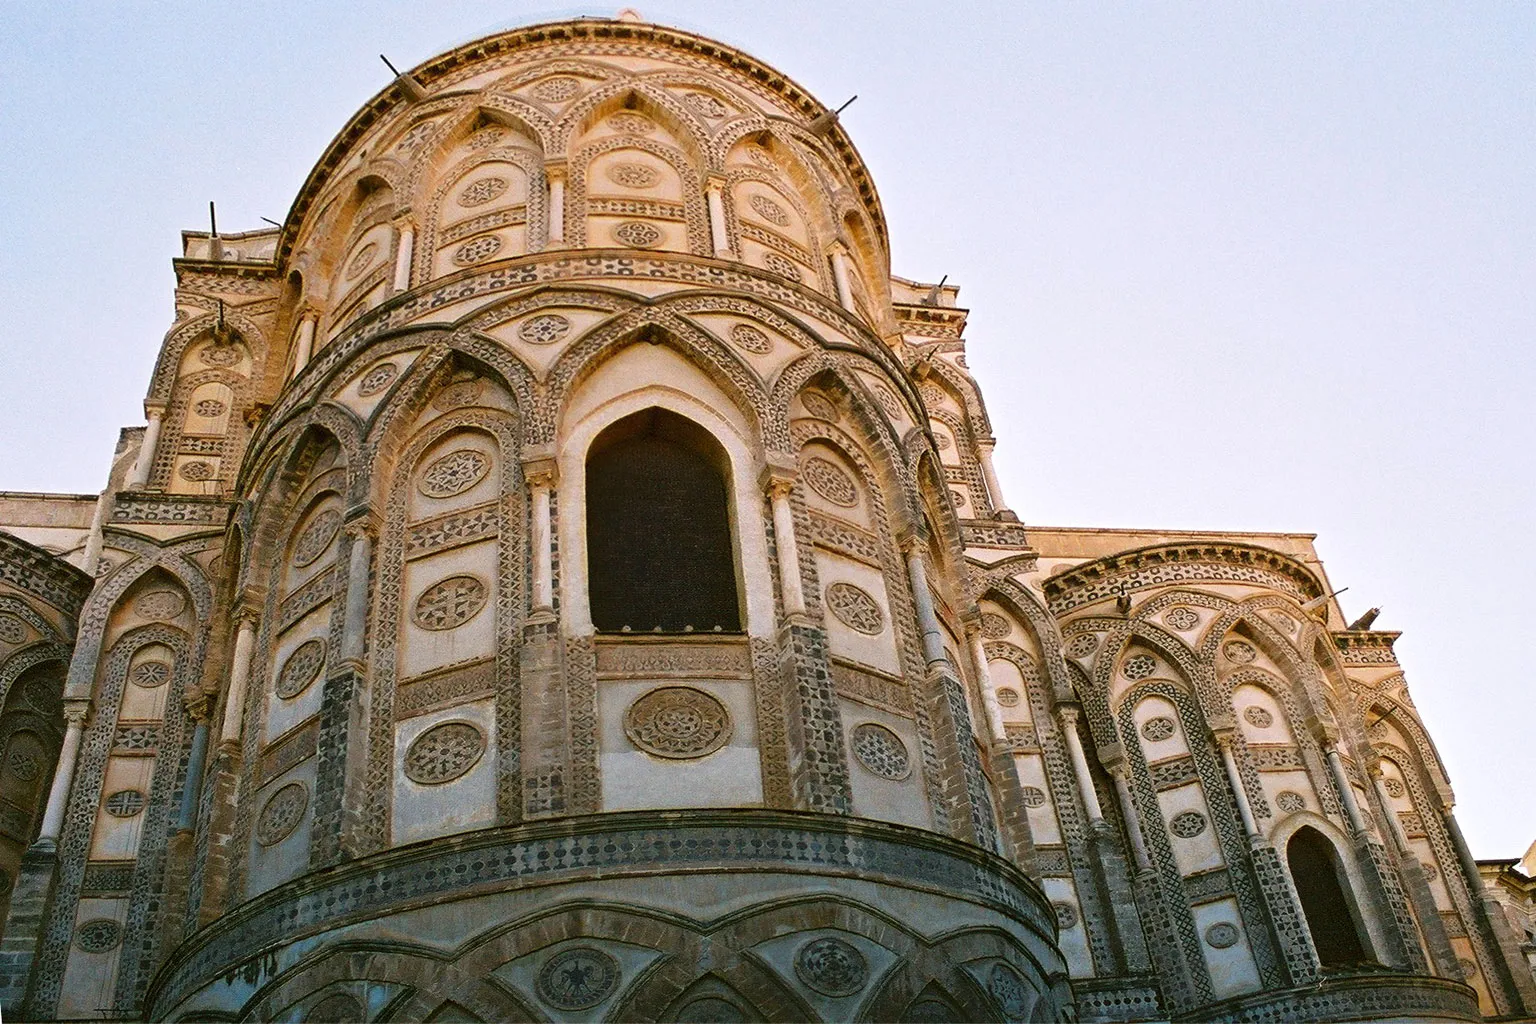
<point x="563" y="578"/>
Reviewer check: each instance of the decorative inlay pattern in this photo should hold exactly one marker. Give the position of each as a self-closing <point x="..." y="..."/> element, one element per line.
<point x="1431" y="870"/>
<point x="769" y="210"/>
<point x="578" y="978"/>
<point x="831" y="966"/>
<point x="336" y="1008"/>
<point x="1005" y="986"/>
<point x="888" y="400"/>
<point x="150" y="674"/>
<point x="1066" y="914"/>
<point x="1181" y="618"/>
<point x="881" y="751"/>
<point x="1139" y="666"/>
<point x="941" y="441"/>
<point x="1008" y="697"/>
<point x="705" y="105"/>
<point x="1221" y="935"/>
<point x="444" y="753"/>
<point x="1258" y="717"/>
<point x="636" y="234"/>
<point x="281" y="814"/>
<point x="781" y="266"/>
<point x="1290" y="801"/>
<point x="477" y="250"/>
<point x="994" y="626"/>
<point x="316" y="537"/>
<point x="209" y="408"/>
<point x="1083" y="645"/>
<point x="1187" y="824"/>
<point x="12" y="629"/>
<point x="627" y="123"/>
<point x="631" y="175"/>
<point x="485" y="138"/>
<point x="855" y="609"/>
<point x="220" y="355"/>
<point x="458" y="394"/>
<point x="23" y="766"/>
<point x="678" y="722"/>
<point x="1239" y="651"/>
<point x="1394" y="787"/>
<point x="544" y="329"/>
<point x="301" y="668"/>
<point x="453" y="473"/>
<point x="819" y="405"/>
<point x="478" y="193"/>
<point x="377" y="379"/>
<point x="1468" y="968"/>
<point x="829" y="480"/>
<point x="1033" y="796"/>
<point x="750" y="339"/>
<point x="98" y="936"/>
<point x="557" y="90"/>
<point x="450" y="603"/>
<point x="363" y="260"/>
<point x="125" y="803"/>
<point x="416" y="137"/>
<point x="1158" y="729"/>
<point x="197" y="470"/>
<point x="160" y="604"/>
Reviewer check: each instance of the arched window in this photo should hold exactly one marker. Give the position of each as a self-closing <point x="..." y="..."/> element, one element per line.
<point x="659" y="551"/>
<point x="1315" y="870"/>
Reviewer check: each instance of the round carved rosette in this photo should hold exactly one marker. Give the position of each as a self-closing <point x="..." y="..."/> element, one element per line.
<point x="855" y="609"/>
<point x="454" y="473"/>
<point x="1187" y="824"/>
<point x="578" y="978"/>
<point x="281" y="814"/>
<point x="450" y="603"/>
<point x="881" y="751"/>
<point x="377" y="379"/>
<point x="832" y="967"/>
<point x="443" y="753"/>
<point x="678" y="722"/>
<point x="301" y="669"/>
<point x="315" y="539"/>
<point x="99" y="936"/>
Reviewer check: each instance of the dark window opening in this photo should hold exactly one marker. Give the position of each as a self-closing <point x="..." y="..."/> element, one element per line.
<point x="659" y="548"/>
<point x="1315" y="871"/>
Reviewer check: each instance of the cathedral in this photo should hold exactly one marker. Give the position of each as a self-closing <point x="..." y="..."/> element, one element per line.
<point x="563" y="577"/>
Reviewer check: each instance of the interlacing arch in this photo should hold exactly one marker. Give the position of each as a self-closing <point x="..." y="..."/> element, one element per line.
<point x="639" y="95"/>
<point x="179" y="338"/>
<point x="694" y="214"/>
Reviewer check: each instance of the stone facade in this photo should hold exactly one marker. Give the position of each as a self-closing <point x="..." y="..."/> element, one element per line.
<point x="337" y="737"/>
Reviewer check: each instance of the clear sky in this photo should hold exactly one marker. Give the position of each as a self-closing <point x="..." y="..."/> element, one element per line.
<point x="1231" y="266"/>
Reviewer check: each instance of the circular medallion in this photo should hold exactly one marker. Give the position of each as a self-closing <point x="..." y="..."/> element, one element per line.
<point x="1066" y="914"/>
<point x="888" y="400"/>
<point x="301" y="668"/>
<point x="1158" y="729"/>
<point x="377" y="379"/>
<point x="150" y="674"/>
<point x="1284" y="621"/>
<point x="1138" y="666"/>
<point x="416" y="137"/>
<point x="197" y="470"/>
<point x="959" y="498"/>
<point x="1290" y="801"/>
<point x="12" y="629"/>
<point x="578" y="978"/>
<point x="831" y="966"/>
<point x="941" y="441"/>
<point x="485" y="138"/>
<point x="281" y="814"/>
<point x="450" y="603"/>
<point x="1187" y="824"/>
<point x="1012" y="995"/>
<point x="781" y="266"/>
<point x="881" y="752"/>
<point x="1468" y="968"/>
<point x="105" y="567"/>
<point x="827" y="479"/>
<point x="444" y="753"/>
<point x="23" y="765"/>
<point x="336" y="1008"/>
<point x="1431" y="871"/>
<point x="1082" y="645"/>
<point x="704" y="104"/>
<point x="994" y="626"/>
<point x="678" y="722"/>
<point x="628" y="123"/>
<point x="209" y="408"/>
<point x="819" y="405"/>
<point x="631" y="175"/>
<point x="1181" y="618"/>
<point x="750" y="339"/>
<point x="477" y="250"/>
<point x="478" y="193"/>
<point x="220" y="355"/>
<point x="710" y="1010"/>
<point x="557" y="90"/>
<point x="1394" y="787"/>
<point x="636" y="234"/>
<point x="855" y="609"/>
<point x="769" y="210"/>
<point x="458" y="394"/>
<point x="316" y="537"/>
<point x="1007" y="696"/>
<point x="1258" y="717"/>
<point x="931" y="394"/>
<point x="160" y="604"/>
<point x="1221" y="935"/>
<point x="125" y="803"/>
<point x="1033" y="796"/>
<point x="98" y="936"/>
<point x="544" y="329"/>
<point x="363" y="260"/>
<point x="453" y="473"/>
<point x="1239" y="651"/>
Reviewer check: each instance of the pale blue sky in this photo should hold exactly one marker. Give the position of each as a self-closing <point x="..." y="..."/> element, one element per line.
<point x="1240" y="266"/>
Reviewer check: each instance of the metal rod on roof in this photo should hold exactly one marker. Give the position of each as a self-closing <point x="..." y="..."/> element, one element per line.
<point x="392" y="69"/>
<point x="213" y="220"/>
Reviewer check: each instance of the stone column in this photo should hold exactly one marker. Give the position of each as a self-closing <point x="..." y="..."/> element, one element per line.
<point x="1346" y="791"/>
<point x="239" y="673"/>
<point x="927" y="619"/>
<point x="354" y="632"/>
<point x="1235" y="779"/>
<point x="840" y="273"/>
<point x="1394" y="827"/>
<point x="984" y="448"/>
<point x="96" y="539"/>
<point x="304" y="346"/>
<point x="1090" y="797"/>
<point x="404" y="252"/>
<point x="714" y="194"/>
<point x="778" y="481"/>
<point x="63" y="777"/>
<point x="555" y="175"/>
<point x="1131" y="818"/>
<point x="540" y="474"/>
<point x="141" y="469"/>
<point x="984" y="682"/>
<point x="197" y="761"/>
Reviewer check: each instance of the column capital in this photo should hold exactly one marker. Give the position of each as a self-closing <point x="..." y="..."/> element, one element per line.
<point x="1069" y="713"/>
<point x="76" y="711"/>
<point x="543" y="472"/>
<point x="778" y="475"/>
<point x="715" y="180"/>
<point x="154" y="410"/>
<point x="362" y="521"/>
<point x="555" y="170"/>
<point x="986" y="444"/>
<point x="1223" y="736"/>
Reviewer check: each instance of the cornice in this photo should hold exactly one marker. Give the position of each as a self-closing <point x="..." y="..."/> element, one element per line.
<point x="45" y="575"/>
<point x="1161" y="564"/>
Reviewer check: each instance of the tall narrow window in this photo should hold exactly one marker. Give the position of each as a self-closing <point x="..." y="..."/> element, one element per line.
<point x="659" y="550"/>
<point x="1315" y="871"/>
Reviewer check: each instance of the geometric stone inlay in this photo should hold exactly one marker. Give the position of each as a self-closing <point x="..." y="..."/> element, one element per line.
<point x="477" y="250"/>
<point x="1239" y="651"/>
<point x="197" y="470"/>
<point x="1007" y="696"/>
<point x="98" y="936"/>
<point x="855" y="608"/>
<point x="1159" y="728"/>
<point x="377" y="379"/>
<point x="1290" y="801"/>
<point x="208" y="408"/>
<point x="705" y="104"/>
<point x="316" y="537"/>
<point x="750" y="339"/>
<point x="544" y="329"/>
<point x="632" y="175"/>
<point x="1138" y="666"/>
<point x="881" y="751"/>
<point x="636" y="234"/>
<point x="1181" y="618"/>
<point x="450" y="602"/>
<point x="23" y="766"/>
<point x="1066" y="914"/>
<point x="282" y="814"/>
<point x="769" y="210"/>
<point x="831" y="967"/>
<point x="1258" y="717"/>
<point x="443" y="753"/>
<point x="1033" y="796"/>
<point x="557" y="90"/>
<point x="1393" y="787"/>
<point x="678" y="722"/>
<point x="453" y="473"/>
<point x="150" y="674"/>
<point x="483" y="191"/>
<point x="160" y="604"/>
<point x="12" y="629"/>
<point x="630" y="124"/>
<point x="819" y="405"/>
<point x="781" y="266"/>
<point x="579" y="978"/>
<point x="1187" y="824"/>
<point x="1221" y="935"/>
<point x="828" y="480"/>
<point x="994" y="626"/>
<point x="125" y="803"/>
<point x="301" y="668"/>
<point x="1005" y="986"/>
<point x="363" y="260"/>
<point x="1082" y="645"/>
